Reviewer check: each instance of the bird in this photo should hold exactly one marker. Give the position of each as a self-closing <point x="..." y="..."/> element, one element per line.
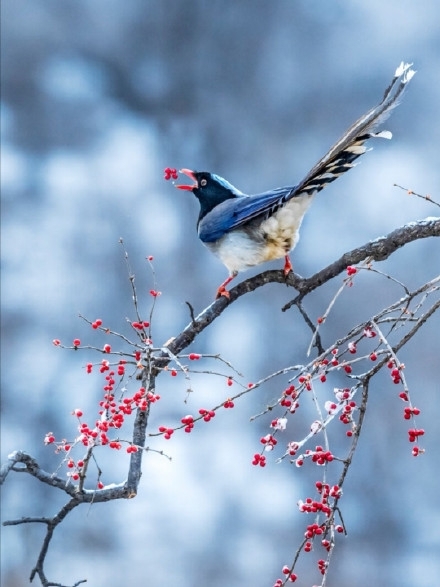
<point x="247" y="230"/>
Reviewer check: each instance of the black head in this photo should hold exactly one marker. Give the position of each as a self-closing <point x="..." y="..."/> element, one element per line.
<point x="209" y="189"/>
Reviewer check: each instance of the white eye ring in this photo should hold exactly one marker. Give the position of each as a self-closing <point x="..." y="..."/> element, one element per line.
<point x="203" y="182"/>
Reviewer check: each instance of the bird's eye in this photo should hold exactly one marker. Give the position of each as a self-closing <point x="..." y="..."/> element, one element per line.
<point x="203" y="182"/>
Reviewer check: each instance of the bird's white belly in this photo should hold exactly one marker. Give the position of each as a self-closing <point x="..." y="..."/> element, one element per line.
<point x="257" y="242"/>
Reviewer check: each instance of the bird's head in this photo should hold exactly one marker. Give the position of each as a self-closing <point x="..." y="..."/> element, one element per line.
<point x="209" y="189"/>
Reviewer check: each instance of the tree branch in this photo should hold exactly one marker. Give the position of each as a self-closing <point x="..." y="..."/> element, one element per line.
<point x="378" y="250"/>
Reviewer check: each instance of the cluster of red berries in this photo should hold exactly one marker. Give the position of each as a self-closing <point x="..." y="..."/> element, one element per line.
<point x="325" y="491"/>
<point x="206" y="414"/>
<point x="288" y="398"/>
<point x="314" y="530"/>
<point x="320" y="456"/>
<point x="345" y="404"/>
<point x="279" y="424"/>
<point x="408" y="412"/>
<point x="312" y="506"/>
<point x="290" y="576"/>
<point x="322" y="566"/>
<point x="167" y="432"/>
<point x="306" y="380"/>
<point x="189" y="423"/>
<point x="292" y="448"/>
<point x="169" y="173"/>
<point x="75" y="468"/>
<point x="269" y="441"/>
<point x="259" y="460"/>
<point x="395" y="371"/>
<point x="140" y="325"/>
<point x="105" y="366"/>
<point x="413" y="433"/>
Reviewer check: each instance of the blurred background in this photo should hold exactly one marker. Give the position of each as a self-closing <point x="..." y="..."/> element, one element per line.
<point x="98" y="97"/>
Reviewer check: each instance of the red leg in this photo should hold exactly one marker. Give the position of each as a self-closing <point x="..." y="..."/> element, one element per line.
<point x="222" y="291"/>
<point x="287" y="265"/>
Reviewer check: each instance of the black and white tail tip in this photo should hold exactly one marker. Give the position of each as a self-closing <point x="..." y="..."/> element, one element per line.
<point x="351" y="145"/>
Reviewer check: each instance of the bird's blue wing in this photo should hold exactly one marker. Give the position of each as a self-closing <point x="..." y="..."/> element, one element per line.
<point x="238" y="211"/>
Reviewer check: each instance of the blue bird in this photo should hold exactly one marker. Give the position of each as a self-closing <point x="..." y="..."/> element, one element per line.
<point x="244" y="231"/>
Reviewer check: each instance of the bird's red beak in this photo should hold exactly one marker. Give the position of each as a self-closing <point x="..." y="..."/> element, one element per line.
<point x="191" y="175"/>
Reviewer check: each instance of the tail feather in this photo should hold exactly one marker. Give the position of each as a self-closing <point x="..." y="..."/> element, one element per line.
<point x="351" y="145"/>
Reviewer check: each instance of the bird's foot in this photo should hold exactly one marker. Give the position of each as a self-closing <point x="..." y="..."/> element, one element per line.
<point x="287" y="265"/>
<point x="222" y="291"/>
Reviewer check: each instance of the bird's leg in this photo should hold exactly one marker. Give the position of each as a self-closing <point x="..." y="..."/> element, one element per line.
<point x="287" y="265"/>
<point x="222" y="291"/>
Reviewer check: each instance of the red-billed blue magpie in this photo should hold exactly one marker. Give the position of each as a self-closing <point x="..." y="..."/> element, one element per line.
<point x="244" y="231"/>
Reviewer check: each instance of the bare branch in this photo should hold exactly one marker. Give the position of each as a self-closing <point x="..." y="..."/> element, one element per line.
<point x="156" y="360"/>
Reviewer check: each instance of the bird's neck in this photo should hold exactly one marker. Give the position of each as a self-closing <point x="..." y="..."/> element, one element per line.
<point x="209" y="203"/>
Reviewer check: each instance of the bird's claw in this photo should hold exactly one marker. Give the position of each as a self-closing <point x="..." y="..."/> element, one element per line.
<point x="222" y="292"/>
<point x="287" y="266"/>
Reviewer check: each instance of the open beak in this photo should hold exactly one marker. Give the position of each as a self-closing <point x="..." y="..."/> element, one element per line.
<point x="192" y="176"/>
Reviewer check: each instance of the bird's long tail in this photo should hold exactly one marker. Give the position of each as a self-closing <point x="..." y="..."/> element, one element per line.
<point x="351" y="145"/>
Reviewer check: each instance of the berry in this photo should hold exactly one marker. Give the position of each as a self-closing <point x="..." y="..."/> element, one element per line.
<point x="169" y="173"/>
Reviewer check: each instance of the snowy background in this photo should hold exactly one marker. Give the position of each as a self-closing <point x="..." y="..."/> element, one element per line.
<point x="97" y="98"/>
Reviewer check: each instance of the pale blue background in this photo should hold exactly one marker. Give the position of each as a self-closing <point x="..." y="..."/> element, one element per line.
<point x="97" y="98"/>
